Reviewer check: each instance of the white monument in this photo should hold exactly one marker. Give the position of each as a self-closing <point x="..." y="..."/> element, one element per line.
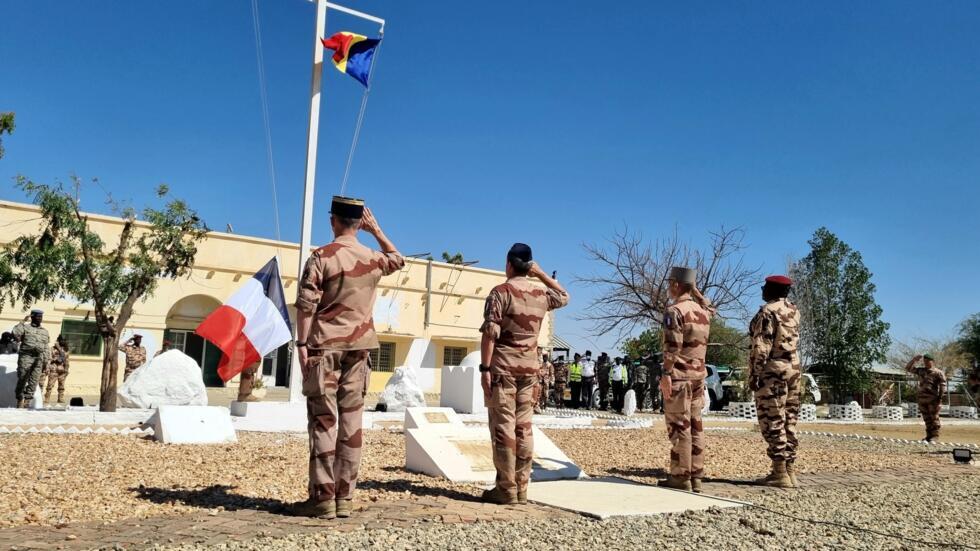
<point x="8" y="384"/>
<point x="442" y="445"/>
<point x="172" y="378"/>
<point x="192" y="425"/>
<point x="461" y="388"/>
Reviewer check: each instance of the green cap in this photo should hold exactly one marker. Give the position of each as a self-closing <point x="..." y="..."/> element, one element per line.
<point x="928" y="357"/>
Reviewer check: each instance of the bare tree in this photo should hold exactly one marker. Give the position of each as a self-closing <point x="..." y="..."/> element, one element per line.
<point x="948" y="355"/>
<point x="632" y="278"/>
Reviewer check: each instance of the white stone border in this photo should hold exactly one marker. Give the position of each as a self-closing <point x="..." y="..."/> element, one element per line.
<point x="75" y="430"/>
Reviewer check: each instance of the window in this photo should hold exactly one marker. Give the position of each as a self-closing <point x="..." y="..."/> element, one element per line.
<point x="453" y="355"/>
<point x="83" y="337"/>
<point x="383" y="358"/>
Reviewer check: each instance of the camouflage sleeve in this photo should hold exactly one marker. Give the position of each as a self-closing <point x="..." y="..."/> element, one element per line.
<point x="122" y="348"/>
<point x="18" y="331"/>
<point x="557" y="299"/>
<point x="390" y="262"/>
<point x="762" y="331"/>
<point x="673" y="338"/>
<point x="308" y="296"/>
<point x="493" y="315"/>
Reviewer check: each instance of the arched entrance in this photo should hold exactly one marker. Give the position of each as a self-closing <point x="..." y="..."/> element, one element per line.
<point x="182" y="319"/>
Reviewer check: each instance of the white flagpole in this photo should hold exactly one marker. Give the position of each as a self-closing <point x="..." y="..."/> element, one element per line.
<point x="295" y="374"/>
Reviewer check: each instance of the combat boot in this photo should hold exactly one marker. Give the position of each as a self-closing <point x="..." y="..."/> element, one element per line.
<point x="47" y="397"/>
<point x="777" y="478"/>
<point x="317" y="509"/>
<point x="522" y="496"/>
<point x="696" y="485"/>
<point x="791" y="472"/>
<point x="61" y="398"/>
<point x="344" y="508"/>
<point x="676" y="482"/>
<point x="21" y="404"/>
<point x="498" y="496"/>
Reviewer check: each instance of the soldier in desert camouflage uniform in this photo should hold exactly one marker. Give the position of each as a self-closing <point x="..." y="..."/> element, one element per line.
<point x="561" y="381"/>
<point x="686" y="325"/>
<point x="32" y="356"/>
<point x="774" y="376"/>
<point x="334" y="337"/>
<point x="57" y="369"/>
<point x="932" y="386"/>
<point x="546" y="377"/>
<point x="509" y="367"/>
<point x="135" y="354"/>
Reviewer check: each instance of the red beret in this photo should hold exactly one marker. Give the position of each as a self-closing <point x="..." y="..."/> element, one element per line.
<point x="779" y="280"/>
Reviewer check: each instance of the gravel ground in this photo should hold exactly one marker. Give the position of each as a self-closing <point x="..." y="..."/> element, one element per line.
<point x="930" y="511"/>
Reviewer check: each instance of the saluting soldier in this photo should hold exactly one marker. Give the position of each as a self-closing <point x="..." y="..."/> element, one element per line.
<point x="334" y="337"/>
<point x="638" y="379"/>
<point x="135" y="354"/>
<point x="509" y="367"/>
<point x="932" y="386"/>
<point x="561" y="381"/>
<point x="775" y="376"/>
<point x="57" y="369"/>
<point x="32" y="356"/>
<point x="686" y="325"/>
<point x="546" y="377"/>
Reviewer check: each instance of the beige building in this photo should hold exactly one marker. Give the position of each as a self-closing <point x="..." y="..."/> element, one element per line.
<point x="436" y="306"/>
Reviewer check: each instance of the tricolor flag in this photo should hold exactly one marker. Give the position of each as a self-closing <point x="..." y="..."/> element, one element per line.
<point x="253" y="322"/>
<point x="352" y="54"/>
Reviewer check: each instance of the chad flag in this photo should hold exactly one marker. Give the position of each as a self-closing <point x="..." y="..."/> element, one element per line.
<point x="352" y="54"/>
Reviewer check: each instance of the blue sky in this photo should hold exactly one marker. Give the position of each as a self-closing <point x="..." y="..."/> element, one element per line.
<point x="546" y="122"/>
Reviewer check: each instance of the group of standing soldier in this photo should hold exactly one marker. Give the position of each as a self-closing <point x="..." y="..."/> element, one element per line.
<point x="613" y="376"/>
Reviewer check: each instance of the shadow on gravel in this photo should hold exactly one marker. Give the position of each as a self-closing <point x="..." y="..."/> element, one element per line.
<point x="646" y="473"/>
<point x="209" y="498"/>
<point x="415" y="489"/>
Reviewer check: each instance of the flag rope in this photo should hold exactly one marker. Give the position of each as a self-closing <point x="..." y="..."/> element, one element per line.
<point x="264" y="100"/>
<point x="360" y="114"/>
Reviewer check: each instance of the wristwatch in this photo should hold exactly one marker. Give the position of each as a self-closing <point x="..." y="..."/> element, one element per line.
<point x="484" y="369"/>
<point x="301" y="345"/>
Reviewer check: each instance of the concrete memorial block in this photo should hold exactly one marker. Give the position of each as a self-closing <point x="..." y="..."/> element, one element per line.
<point x="891" y="413"/>
<point x="963" y="412"/>
<point x="742" y="410"/>
<point x="433" y="418"/>
<point x="192" y="425"/>
<point x="403" y="390"/>
<point x="171" y="379"/>
<point x="461" y="388"/>
<point x="911" y="409"/>
<point x="8" y="384"/>
<point x="269" y="416"/>
<point x="808" y="412"/>
<point x="849" y="412"/>
<point x="607" y="497"/>
<point x="463" y="454"/>
<point x="629" y="403"/>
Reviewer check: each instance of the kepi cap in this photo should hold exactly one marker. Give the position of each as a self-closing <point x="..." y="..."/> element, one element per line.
<point x="929" y="357"/>
<point x="682" y="274"/>
<point x="520" y="251"/>
<point x="37" y="312"/>
<point x="779" y="280"/>
<point x="347" y="207"/>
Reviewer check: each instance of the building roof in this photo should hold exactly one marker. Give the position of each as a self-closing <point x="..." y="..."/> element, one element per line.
<point x="559" y="343"/>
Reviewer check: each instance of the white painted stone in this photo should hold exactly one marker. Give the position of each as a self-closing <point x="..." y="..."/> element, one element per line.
<point x="629" y="403"/>
<point x="422" y="357"/>
<point x="193" y="425"/>
<point x="269" y="416"/>
<point x="171" y="379"/>
<point x="608" y="497"/>
<point x="849" y="412"/>
<point x="464" y="455"/>
<point x="808" y="412"/>
<point x="8" y="384"/>
<point x="461" y="389"/>
<point x="891" y="413"/>
<point x="403" y="390"/>
<point x="432" y="419"/>
<point x="742" y="410"/>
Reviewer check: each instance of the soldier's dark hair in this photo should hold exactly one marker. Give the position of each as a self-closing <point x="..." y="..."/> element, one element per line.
<point x="521" y="268"/>
<point x="774" y="291"/>
<point x="346" y="223"/>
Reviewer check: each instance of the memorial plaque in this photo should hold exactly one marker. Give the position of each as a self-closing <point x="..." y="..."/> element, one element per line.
<point x="436" y="417"/>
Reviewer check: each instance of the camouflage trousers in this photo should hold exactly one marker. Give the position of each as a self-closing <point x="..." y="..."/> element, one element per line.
<point x="129" y="370"/>
<point x="682" y="413"/>
<point x="541" y="393"/>
<point x="560" y="394"/>
<point x="55" y="374"/>
<point x="929" y="409"/>
<point x="640" y="389"/>
<point x="29" y="368"/>
<point x="777" y="404"/>
<point x="510" y="409"/>
<point x="334" y="384"/>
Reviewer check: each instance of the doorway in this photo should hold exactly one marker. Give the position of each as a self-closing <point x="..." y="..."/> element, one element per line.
<point x="207" y="355"/>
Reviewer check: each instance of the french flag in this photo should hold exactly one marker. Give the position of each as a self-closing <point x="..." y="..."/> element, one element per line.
<point x="253" y="322"/>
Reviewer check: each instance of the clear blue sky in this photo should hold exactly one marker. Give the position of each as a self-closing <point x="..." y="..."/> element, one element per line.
<point x="544" y="122"/>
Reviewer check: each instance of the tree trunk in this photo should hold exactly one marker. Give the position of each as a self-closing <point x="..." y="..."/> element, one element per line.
<point x="110" y="369"/>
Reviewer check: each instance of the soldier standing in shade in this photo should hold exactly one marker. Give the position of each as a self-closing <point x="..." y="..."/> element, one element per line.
<point x="57" y="369"/>
<point x="561" y="381"/>
<point x="602" y="380"/>
<point x="639" y="381"/>
<point x="334" y="338"/>
<point x="135" y="354"/>
<point x="546" y="377"/>
<point x="246" y="381"/>
<point x="32" y="356"/>
<point x="509" y="366"/>
<point x="775" y="376"/>
<point x="932" y="386"/>
<point x="686" y="325"/>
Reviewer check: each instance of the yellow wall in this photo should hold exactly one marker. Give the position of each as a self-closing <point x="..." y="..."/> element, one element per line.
<point x="225" y="260"/>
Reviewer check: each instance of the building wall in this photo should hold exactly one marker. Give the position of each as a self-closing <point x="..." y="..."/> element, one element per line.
<point x="455" y="296"/>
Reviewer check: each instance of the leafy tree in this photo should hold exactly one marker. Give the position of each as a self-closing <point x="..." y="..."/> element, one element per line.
<point x="68" y="258"/>
<point x="969" y="339"/>
<point x="452" y="258"/>
<point x="728" y="346"/>
<point x="841" y="332"/>
<point x="6" y="127"/>
<point x="647" y="341"/>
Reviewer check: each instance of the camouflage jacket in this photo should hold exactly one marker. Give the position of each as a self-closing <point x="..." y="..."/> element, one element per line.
<point x="338" y="287"/>
<point x="59" y="358"/>
<point x="135" y="355"/>
<point x="34" y="341"/>
<point x="932" y="382"/>
<point x="512" y="316"/>
<point x="547" y="372"/>
<point x="775" y="336"/>
<point x="561" y="374"/>
<point x="685" y="339"/>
